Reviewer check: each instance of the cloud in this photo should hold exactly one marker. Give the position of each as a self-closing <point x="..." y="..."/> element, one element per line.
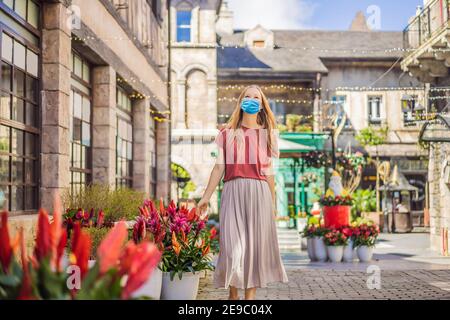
<point x="272" y="14"/>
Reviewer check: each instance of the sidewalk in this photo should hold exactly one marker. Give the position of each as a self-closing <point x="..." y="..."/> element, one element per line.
<point x="408" y="269"/>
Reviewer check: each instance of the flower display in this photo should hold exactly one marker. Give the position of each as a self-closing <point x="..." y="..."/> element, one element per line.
<point x="335" y="237"/>
<point x="366" y="235"/>
<point x="120" y="269"/>
<point x="316" y="159"/>
<point x="330" y="200"/>
<point x="314" y="230"/>
<point x="180" y="233"/>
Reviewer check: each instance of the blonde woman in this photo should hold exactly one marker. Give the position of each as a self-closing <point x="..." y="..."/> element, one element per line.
<point x="249" y="256"/>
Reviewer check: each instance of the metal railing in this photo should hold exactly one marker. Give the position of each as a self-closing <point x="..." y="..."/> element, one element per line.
<point x="432" y="19"/>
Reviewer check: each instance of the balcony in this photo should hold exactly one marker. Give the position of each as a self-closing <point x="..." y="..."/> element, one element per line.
<point x="426" y="40"/>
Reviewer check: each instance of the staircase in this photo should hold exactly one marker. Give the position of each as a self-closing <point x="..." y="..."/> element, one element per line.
<point x="289" y="240"/>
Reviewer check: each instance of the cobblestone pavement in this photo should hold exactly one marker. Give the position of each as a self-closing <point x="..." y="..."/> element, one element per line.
<point x="408" y="270"/>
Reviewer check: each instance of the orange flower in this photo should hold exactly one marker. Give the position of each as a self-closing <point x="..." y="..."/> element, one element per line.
<point x="44" y="240"/>
<point x="108" y="251"/>
<point x="138" y="262"/>
<point x="175" y="244"/>
<point x="162" y="210"/>
<point x="183" y="237"/>
<point x="205" y="250"/>
<point x="144" y="212"/>
<point x="81" y="249"/>
<point x="26" y="291"/>
<point x="56" y="233"/>
<point x="192" y="215"/>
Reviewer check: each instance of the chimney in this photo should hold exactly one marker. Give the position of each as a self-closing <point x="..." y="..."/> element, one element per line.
<point x="359" y="23"/>
<point x="224" y="24"/>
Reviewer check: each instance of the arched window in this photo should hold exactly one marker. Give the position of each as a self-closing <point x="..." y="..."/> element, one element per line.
<point x="196" y="93"/>
<point x="184" y="16"/>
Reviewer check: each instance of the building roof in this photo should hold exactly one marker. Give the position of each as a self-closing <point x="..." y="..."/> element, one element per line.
<point x="308" y="50"/>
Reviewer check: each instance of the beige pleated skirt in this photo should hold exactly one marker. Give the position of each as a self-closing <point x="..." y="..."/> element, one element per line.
<point x="249" y="255"/>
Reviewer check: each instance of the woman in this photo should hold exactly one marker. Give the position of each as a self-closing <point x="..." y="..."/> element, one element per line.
<point x="249" y="256"/>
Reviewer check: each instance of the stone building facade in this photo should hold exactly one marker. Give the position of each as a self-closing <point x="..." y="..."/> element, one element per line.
<point x="426" y="39"/>
<point x="194" y="87"/>
<point x="82" y="82"/>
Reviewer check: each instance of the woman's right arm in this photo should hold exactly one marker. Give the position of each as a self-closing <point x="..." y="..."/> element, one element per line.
<point x="214" y="179"/>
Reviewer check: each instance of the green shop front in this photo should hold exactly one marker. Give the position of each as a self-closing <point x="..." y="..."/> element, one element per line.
<point x="297" y="184"/>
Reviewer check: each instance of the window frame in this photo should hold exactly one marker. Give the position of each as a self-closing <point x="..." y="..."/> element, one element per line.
<point x="126" y="116"/>
<point x="23" y="127"/>
<point x="371" y="118"/>
<point x="14" y="15"/>
<point x="183" y="26"/>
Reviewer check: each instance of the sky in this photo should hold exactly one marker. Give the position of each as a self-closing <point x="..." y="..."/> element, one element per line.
<point x="385" y="15"/>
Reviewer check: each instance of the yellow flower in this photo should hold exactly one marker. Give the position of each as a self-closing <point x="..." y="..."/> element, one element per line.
<point x="329" y="193"/>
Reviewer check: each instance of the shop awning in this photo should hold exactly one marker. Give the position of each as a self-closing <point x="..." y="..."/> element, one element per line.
<point x="286" y="146"/>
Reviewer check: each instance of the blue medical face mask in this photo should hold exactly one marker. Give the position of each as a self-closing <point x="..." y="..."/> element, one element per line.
<point x="250" y="106"/>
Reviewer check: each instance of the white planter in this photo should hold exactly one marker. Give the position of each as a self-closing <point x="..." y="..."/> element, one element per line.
<point x="320" y="249"/>
<point x="176" y="289"/>
<point x="349" y="252"/>
<point x="310" y="248"/>
<point x="365" y="253"/>
<point x="335" y="253"/>
<point x="151" y="288"/>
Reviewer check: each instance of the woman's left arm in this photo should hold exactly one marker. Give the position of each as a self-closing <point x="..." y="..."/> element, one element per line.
<point x="271" y="181"/>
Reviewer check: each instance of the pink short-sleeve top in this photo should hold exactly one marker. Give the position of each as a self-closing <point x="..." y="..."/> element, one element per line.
<point x="247" y="155"/>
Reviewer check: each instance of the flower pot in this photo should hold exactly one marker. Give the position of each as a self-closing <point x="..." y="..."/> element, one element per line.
<point x="336" y="216"/>
<point x="320" y="250"/>
<point x="365" y="253"/>
<point x="152" y="287"/>
<point x="310" y="249"/>
<point x="335" y="253"/>
<point x="349" y="252"/>
<point x="176" y="289"/>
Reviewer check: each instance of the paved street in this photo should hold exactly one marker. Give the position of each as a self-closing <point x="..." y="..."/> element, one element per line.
<point x="408" y="269"/>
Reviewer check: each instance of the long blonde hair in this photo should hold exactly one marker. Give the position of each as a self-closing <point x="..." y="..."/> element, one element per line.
<point x="265" y="117"/>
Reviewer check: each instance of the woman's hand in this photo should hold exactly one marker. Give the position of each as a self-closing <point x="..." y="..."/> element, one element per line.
<point x="202" y="205"/>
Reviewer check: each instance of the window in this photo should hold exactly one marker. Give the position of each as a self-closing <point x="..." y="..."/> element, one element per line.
<point x="18" y="125"/>
<point x="374" y="107"/>
<point x="184" y="25"/>
<point x="80" y="127"/>
<point x="28" y="10"/>
<point x="124" y="140"/>
<point x="340" y="104"/>
<point x="412" y="111"/>
<point x="152" y="159"/>
<point x="259" y="43"/>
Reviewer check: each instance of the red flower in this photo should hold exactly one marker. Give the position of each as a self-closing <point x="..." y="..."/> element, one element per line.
<point x="205" y="250"/>
<point x="5" y="244"/>
<point x="138" y="262"/>
<point x="100" y="219"/>
<point x="144" y="211"/>
<point x="26" y="291"/>
<point x="60" y="249"/>
<point x="81" y="249"/>
<point x="43" y="247"/>
<point x="213" y="232"/>
<point x="108" y="251"/>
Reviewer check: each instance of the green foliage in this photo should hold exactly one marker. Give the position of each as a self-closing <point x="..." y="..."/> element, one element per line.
<point x="117" y="204"/>
<point x="178" y="171"/>
<point x="282" y="128"/>
<point x="371" y="136"/>
<point x="190" y="187"/>
<point x="363" y="201"/>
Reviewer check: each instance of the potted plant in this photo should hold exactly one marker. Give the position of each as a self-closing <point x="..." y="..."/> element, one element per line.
<point x="336" y="209"/>
<point x="349" y="249"/>
<point x="185" y="242"/>
<point x="335" y="241"/>
<point x="365" y="206"/>
<point x="309" y="233"/>
<point x="119" y="270"/>
<point x="365" y="238"/>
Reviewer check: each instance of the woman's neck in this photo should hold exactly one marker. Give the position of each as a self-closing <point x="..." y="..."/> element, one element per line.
<point x="250" y="121"/>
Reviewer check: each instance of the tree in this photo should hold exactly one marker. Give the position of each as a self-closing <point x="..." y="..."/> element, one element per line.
<point x="373" y="137"/>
